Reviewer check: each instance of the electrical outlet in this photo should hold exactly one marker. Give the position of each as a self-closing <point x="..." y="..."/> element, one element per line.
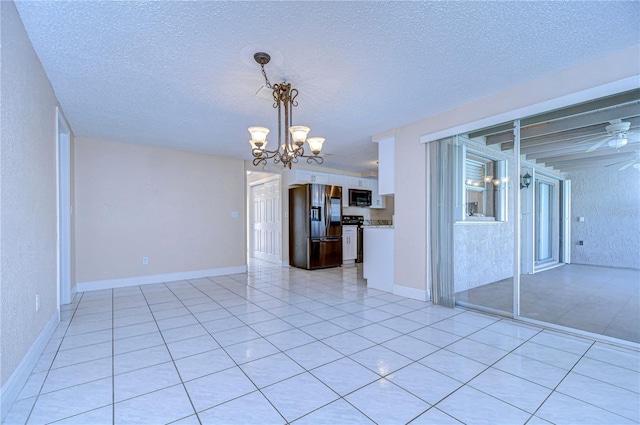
<point x="145" y="261"/>
<point x="37" y="302"/>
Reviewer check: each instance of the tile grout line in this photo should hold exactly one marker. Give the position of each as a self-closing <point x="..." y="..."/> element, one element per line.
<point x="195" y="412"/>
<point x="225" y="351"/>
<point x="306" y="291"/>
<point x="555" y="389"/>
<point x="37" y="397"/>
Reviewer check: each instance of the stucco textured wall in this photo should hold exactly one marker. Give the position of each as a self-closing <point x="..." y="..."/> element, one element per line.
<point x="483" y="253"/>
<point x="175" y="208"/>
<point x="609" y="201"/>
<point x="28" y="185"/>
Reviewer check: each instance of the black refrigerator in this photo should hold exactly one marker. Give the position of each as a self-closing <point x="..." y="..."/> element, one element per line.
<point x="315" y="226"/>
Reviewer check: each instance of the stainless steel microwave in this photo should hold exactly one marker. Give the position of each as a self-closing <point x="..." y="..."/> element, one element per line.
<point x="359" y="198"/>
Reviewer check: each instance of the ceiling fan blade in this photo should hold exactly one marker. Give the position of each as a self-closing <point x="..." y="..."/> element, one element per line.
<point x="597" y="145"/>
<point x="624" y="167"/>
<point x="591" y="138"/>
<point x="621" y="162"/>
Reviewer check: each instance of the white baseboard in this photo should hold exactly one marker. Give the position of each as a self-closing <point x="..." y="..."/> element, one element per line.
<point x="11" y="389"/>
<point x="74" y="291"/>
<point x="413" y="293"/>
<point x="157" y="278"/>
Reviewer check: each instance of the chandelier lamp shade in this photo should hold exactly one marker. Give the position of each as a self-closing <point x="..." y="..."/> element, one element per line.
<point x="291" y="138"/>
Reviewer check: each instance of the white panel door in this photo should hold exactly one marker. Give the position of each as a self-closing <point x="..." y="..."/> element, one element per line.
<point x="266" y="222"/>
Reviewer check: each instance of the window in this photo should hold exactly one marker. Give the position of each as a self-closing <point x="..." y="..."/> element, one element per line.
<point x="483" y="181"/>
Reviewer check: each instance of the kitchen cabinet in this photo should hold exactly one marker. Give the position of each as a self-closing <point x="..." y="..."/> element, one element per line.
<point x="359" y="183"/>
<point x="349" y="244"/>
<point x="306" y="176"/>
<point x="377" y="201"/>
<point x="344" y="181"/>
<point x="386" y="166"/>
<point x="338" y="180"/>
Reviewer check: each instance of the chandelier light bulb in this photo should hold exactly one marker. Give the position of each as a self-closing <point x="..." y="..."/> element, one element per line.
<point x="289" y="153"/>
<point x="259" y="134"/>
<point x="258" y="145"/>
<point x="315" y="144"/>
<point x="299" y="133"/>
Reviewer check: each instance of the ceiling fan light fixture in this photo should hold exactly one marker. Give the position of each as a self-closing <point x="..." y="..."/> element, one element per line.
<point x="618" y="141"/>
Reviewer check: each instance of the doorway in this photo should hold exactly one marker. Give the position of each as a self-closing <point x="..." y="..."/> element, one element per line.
<point x="265" y="223"/>
<point x="546" y="227"/>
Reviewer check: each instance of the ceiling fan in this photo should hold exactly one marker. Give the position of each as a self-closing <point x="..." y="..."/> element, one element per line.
<point x="617" y="135"/>
<point x="628" y="163"/>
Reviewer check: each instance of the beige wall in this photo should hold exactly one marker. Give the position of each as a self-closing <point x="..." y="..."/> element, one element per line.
<point x="602" y="77"/>
<point x="410" y="206"/>
<point x="28" y="187"/>
<point x="173" y="207"/>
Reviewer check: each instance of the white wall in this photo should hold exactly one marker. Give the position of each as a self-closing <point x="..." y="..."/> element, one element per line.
<point x="609" y="201"/>
<point x="173" y="207"/>
<point x="28" y="187"/>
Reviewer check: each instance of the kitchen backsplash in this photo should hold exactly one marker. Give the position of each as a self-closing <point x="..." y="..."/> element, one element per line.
<point x="377" y="223"/>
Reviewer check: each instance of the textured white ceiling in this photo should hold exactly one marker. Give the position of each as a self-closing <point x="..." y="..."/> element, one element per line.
<point x="181" y="74"/>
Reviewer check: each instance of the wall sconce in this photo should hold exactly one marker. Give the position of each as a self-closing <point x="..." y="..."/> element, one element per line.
<point x="525" y="181"/>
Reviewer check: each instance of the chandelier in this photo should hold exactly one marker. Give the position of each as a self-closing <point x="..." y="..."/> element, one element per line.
<point x="291" y="138"/>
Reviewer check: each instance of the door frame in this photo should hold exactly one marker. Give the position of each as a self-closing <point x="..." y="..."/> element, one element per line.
<point x="554" y="230"/>
<point x="251" y="215"/>
<point x="63" y="185"/>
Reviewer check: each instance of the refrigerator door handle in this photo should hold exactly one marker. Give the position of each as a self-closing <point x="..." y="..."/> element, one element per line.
<point x="327" y="211"/>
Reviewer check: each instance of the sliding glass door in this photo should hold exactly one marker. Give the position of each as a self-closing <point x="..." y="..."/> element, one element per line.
<point x="544" y="219"/>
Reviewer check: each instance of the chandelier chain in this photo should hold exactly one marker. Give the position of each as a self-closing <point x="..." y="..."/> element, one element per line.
<point x="264" y="74"/>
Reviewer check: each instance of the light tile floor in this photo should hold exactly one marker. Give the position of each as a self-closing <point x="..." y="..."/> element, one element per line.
<point x="279" y="345"/>
<point x="601" y="300"/>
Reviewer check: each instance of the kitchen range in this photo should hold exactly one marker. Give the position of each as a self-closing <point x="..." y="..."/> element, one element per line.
<point x="352" y="238"/>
